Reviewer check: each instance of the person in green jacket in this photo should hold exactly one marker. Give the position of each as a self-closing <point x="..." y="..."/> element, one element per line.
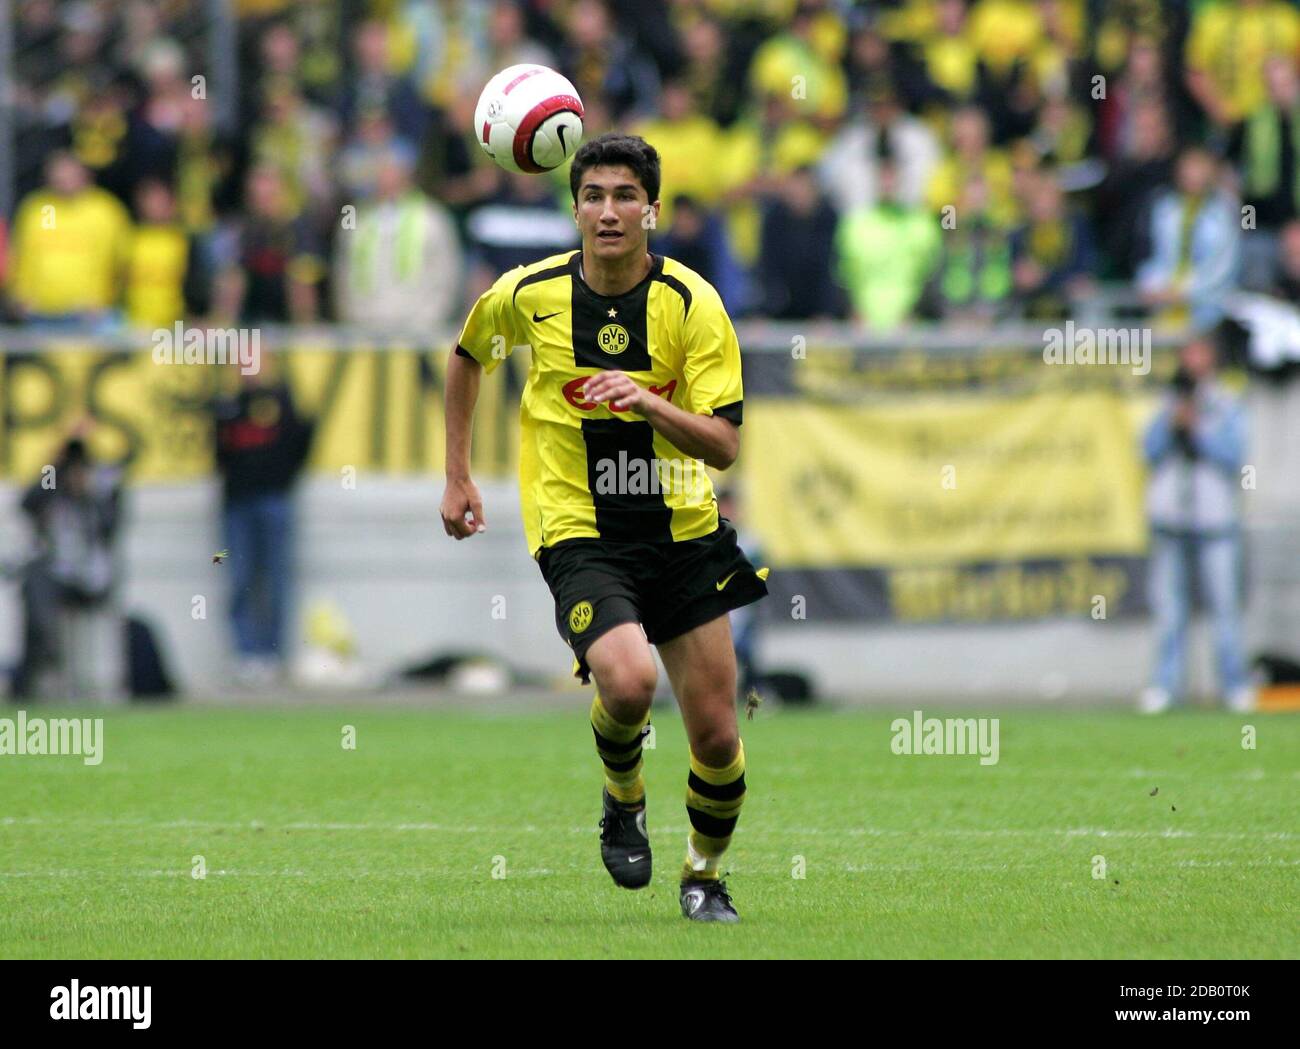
<point x="885" y="253"/>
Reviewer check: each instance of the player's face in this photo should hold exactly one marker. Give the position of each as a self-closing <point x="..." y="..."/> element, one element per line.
<point x="612" y="212"/>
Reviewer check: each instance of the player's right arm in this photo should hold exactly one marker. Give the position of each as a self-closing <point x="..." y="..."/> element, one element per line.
<point x="485" y="341"/>
<point x="461" y="496"/>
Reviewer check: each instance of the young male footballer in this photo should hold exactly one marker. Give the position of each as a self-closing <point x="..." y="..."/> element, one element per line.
<point x="634" y="385"/>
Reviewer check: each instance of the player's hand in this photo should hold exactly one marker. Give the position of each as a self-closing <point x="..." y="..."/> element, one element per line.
<point x="617" y="388"/>
<point x="461" y="498"/>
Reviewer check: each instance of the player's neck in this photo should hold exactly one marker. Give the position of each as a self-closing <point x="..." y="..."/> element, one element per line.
<point x="614" y="276"/>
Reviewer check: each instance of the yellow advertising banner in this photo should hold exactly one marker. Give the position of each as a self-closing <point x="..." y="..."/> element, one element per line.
<point x="945" y="479"/>
<point x="375" y="411"/>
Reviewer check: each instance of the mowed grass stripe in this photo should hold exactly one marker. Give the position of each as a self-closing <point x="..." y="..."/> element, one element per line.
<point x="388" y="850"/>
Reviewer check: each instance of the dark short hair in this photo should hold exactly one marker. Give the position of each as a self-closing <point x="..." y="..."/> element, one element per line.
<point x="611" y="148"/>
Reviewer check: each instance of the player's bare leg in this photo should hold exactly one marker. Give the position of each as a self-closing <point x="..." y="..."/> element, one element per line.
<point x="701" y="665"/>
<point x="624" y="671"/>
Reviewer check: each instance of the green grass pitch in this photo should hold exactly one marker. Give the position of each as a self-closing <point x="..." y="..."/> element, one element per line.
<point x="389" y="850"/>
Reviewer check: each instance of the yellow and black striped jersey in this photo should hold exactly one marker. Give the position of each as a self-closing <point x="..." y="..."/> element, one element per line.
<point x="585" y="469"/>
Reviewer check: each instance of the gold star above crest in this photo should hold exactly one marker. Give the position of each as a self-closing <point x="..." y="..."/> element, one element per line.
<point x="613" y="312"/>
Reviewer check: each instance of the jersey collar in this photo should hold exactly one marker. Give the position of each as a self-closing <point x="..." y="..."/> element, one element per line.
<point x="575" y="268"/>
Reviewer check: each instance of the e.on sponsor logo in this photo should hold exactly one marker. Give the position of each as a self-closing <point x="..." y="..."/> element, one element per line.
<point x="574" y="395"/>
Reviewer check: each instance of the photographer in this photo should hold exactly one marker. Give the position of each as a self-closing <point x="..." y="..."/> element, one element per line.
<point x="1195" y="447"/>
<point x="72" y="624"/>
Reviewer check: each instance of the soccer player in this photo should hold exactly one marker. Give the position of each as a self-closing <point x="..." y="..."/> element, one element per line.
<point x="634" y="386"/>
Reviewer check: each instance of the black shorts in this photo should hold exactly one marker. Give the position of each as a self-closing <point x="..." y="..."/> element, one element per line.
<point x="669" y="588"/>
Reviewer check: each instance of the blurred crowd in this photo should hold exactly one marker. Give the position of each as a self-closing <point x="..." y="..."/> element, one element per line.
<point x="960" y="161"/>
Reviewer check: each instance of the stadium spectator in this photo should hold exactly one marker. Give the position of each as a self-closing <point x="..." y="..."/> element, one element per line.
<point x="683" y="135"/>
<point x="761" y="149"/>
<point x="948" y="66"/>
<point x="1195" y="447"/>
<point x="1195" y="228"/>
<point x="875" y="69"/>
<point x="1266" y="146"/>
<point x="600" y="62"/>
<point x="697" y="239"/>
<point x="520" y="223"/>
<point x="973" y="283"/>
<point x="1058" y="60"/>
<point x="101" y="140"/>
<point x="1060" y="135"/>
<point x="803" y="65"/>
<point x="268" y="263"/>
<point x="794" y="262"/>
<point x="1227" y="49"/>
<point x="159" y="260"/>
<point x="401" y="268"/>
<point x="444" y="46"/>
<point x="508" y="43"/>
<point x="1143" y="83"/>
<point x="885" y="253"/>
<point x="205" y="170"/>
<point x="1116" y="25"/>
<point x="1126" y="196"/>
<point x="1015" y="52"/>
<point x="72" y="628"/>
<point x="261" y="446"/>
<point x="70" y="243"/>
<point x="1053" y="254"/>
<point x="969" y="157"/>
<point x="158" y="123"/>
<point x="717" y="89"/>
<point x="299" y="140"/>
<point x="303" y="43"/>
<point x="279" y="57"/>
<point x="360" y="160"/>
<point x="848" y="168"/>
<point x="453" y="167"/>
<point x="1005" y="34"/>
<point x="372" y="85"/>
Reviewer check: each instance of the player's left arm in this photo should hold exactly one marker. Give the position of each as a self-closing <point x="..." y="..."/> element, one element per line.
<point x="709" y="437"/>
<point x="707" y="426"/>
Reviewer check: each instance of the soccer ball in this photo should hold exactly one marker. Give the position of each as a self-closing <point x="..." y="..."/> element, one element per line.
<point x="528" y="118"/>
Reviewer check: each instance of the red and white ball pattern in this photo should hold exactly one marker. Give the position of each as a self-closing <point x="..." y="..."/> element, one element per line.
<point x="529" y="118"/>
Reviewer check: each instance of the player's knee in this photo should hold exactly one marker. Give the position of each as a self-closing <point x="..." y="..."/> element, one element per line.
<point x="716" y="746"/>
<point x="628" y="691"/>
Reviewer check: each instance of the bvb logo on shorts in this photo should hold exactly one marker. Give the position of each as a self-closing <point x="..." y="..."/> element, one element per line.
<point x="580" y="616"/>
<point x="613" y="338"/>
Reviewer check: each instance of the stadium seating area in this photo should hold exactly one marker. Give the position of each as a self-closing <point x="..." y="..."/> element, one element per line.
<point x="808" y="147"/>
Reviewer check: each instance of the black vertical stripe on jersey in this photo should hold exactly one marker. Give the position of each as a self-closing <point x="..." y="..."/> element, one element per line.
<point x="620" y="515"/>
<point x="591" y="313"/>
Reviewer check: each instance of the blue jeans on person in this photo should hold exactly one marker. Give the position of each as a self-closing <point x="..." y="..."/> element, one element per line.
<point x="1217" y="558"/>
<point x="259" y="539"/>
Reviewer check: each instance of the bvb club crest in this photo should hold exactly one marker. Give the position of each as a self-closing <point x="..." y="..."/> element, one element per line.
<point x="613" y="338"/>
<point x="580" y="616"/>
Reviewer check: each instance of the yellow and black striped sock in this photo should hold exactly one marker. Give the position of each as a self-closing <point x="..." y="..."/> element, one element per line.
<point x="713" y="800"/>
<point x="619" y="747"/>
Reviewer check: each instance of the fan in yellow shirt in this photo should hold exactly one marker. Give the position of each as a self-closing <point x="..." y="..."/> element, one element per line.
<point x="69" y="245"/>
<point x="1227" y="49"/>
<point x="157" y="260"/>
